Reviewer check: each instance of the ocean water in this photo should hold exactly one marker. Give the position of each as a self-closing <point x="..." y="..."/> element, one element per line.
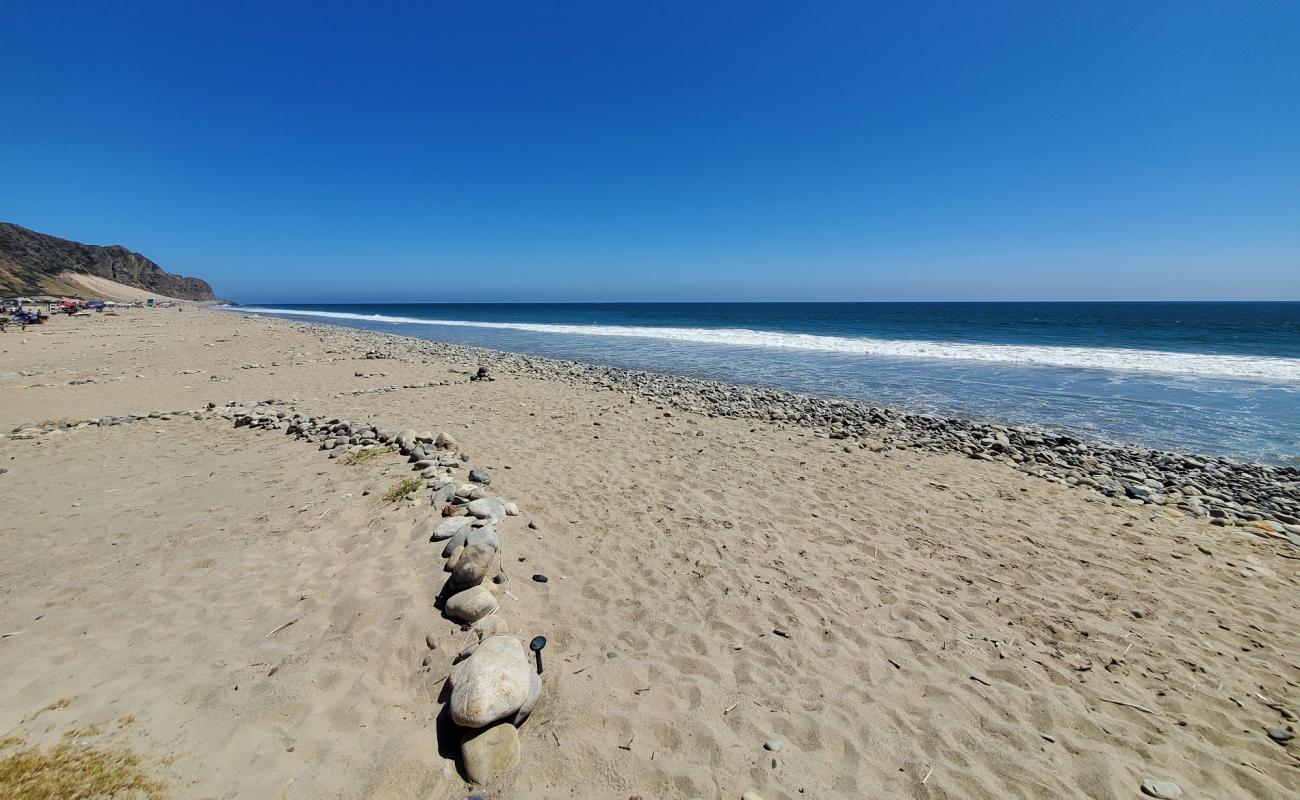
<point x="1213" y="378"/>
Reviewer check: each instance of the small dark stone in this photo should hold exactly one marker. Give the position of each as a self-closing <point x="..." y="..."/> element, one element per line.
<point x="540" y="578"/>
<point x="1280" y="735"/>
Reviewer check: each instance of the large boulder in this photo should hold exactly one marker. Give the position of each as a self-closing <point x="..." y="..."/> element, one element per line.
<point x="491" y="684"/>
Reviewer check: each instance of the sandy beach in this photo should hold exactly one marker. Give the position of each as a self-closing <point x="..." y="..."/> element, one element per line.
<point x="731" y="605"/>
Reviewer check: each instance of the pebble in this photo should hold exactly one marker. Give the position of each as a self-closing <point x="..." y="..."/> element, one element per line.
<point x="1165" y="790"/>
<point x="773" y="744"/>
<point x="540" y="578"/>
<point x="490" y="753"/>
<point x="1280" y="735"/>
<point x="480" y="475"/>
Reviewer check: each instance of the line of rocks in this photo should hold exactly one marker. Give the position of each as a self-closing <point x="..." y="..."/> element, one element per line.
<point x="1221" y="490"/>
<point x="494" y="687"/>
<point x="392" y="388"/>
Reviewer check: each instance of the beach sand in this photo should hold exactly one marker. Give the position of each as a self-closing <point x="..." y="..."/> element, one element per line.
<point x="905" y="624"/>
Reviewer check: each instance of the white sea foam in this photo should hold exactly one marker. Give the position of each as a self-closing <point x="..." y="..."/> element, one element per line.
<point x="1107" y="358"/>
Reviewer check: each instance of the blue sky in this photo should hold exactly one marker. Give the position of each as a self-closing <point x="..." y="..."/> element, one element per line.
<point x="486" y="151"/>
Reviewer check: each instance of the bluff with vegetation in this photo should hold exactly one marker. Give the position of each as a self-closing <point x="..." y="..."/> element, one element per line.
<point x="34" y="263"/>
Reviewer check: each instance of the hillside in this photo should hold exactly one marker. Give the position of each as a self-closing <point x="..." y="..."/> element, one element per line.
<point x="36" y="263"/>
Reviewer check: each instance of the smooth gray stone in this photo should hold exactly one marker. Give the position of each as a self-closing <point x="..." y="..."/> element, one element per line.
<point x="1165" y="790"/>
<point x="457" y="540"/>
<point x="490" y="508"/>
<point x="448" y="527"/>
<point x="443" y="494"/>
<point x="484" y="535"/>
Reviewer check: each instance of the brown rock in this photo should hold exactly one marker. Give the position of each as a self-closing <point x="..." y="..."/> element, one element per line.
<point x="490" y="752"/>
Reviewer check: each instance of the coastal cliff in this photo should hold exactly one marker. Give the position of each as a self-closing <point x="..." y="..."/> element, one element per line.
<point x="36" y="263"/>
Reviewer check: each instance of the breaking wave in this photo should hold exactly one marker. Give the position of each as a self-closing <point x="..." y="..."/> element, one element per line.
<point x="1103" y="358"/>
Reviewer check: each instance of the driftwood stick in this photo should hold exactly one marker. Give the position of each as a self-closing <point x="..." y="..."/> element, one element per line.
<point x="282" y="627"/>
<point x="1143" y="709"/>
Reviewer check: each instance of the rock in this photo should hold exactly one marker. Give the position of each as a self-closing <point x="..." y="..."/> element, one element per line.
<point x="449" y="527"/>
<point x="1165" y="790"/>
<point x="773" y="744"/>
<point x="457" y="540"/>
<point x="512" y="510"/>
<point x="445" y="442"/>
<point x="490" y="626"/>
<point x="1280" y="735"/>
<point x="480" y="475"/>
<point x="485" y="535"/>
<point x="473" y="565"/>
<point x="490" y="753"/>
<point x="540" y="578"/>
<point x="489" y="508"/>
<point x="471" y="605"/>
<point x="492" y="683"/>
<point x="530" y="702"/>
<point x="750" y="794"/>
<point x="443" y="494"/>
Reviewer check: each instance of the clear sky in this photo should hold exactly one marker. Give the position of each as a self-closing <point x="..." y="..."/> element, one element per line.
<point x="489" y="151"/>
